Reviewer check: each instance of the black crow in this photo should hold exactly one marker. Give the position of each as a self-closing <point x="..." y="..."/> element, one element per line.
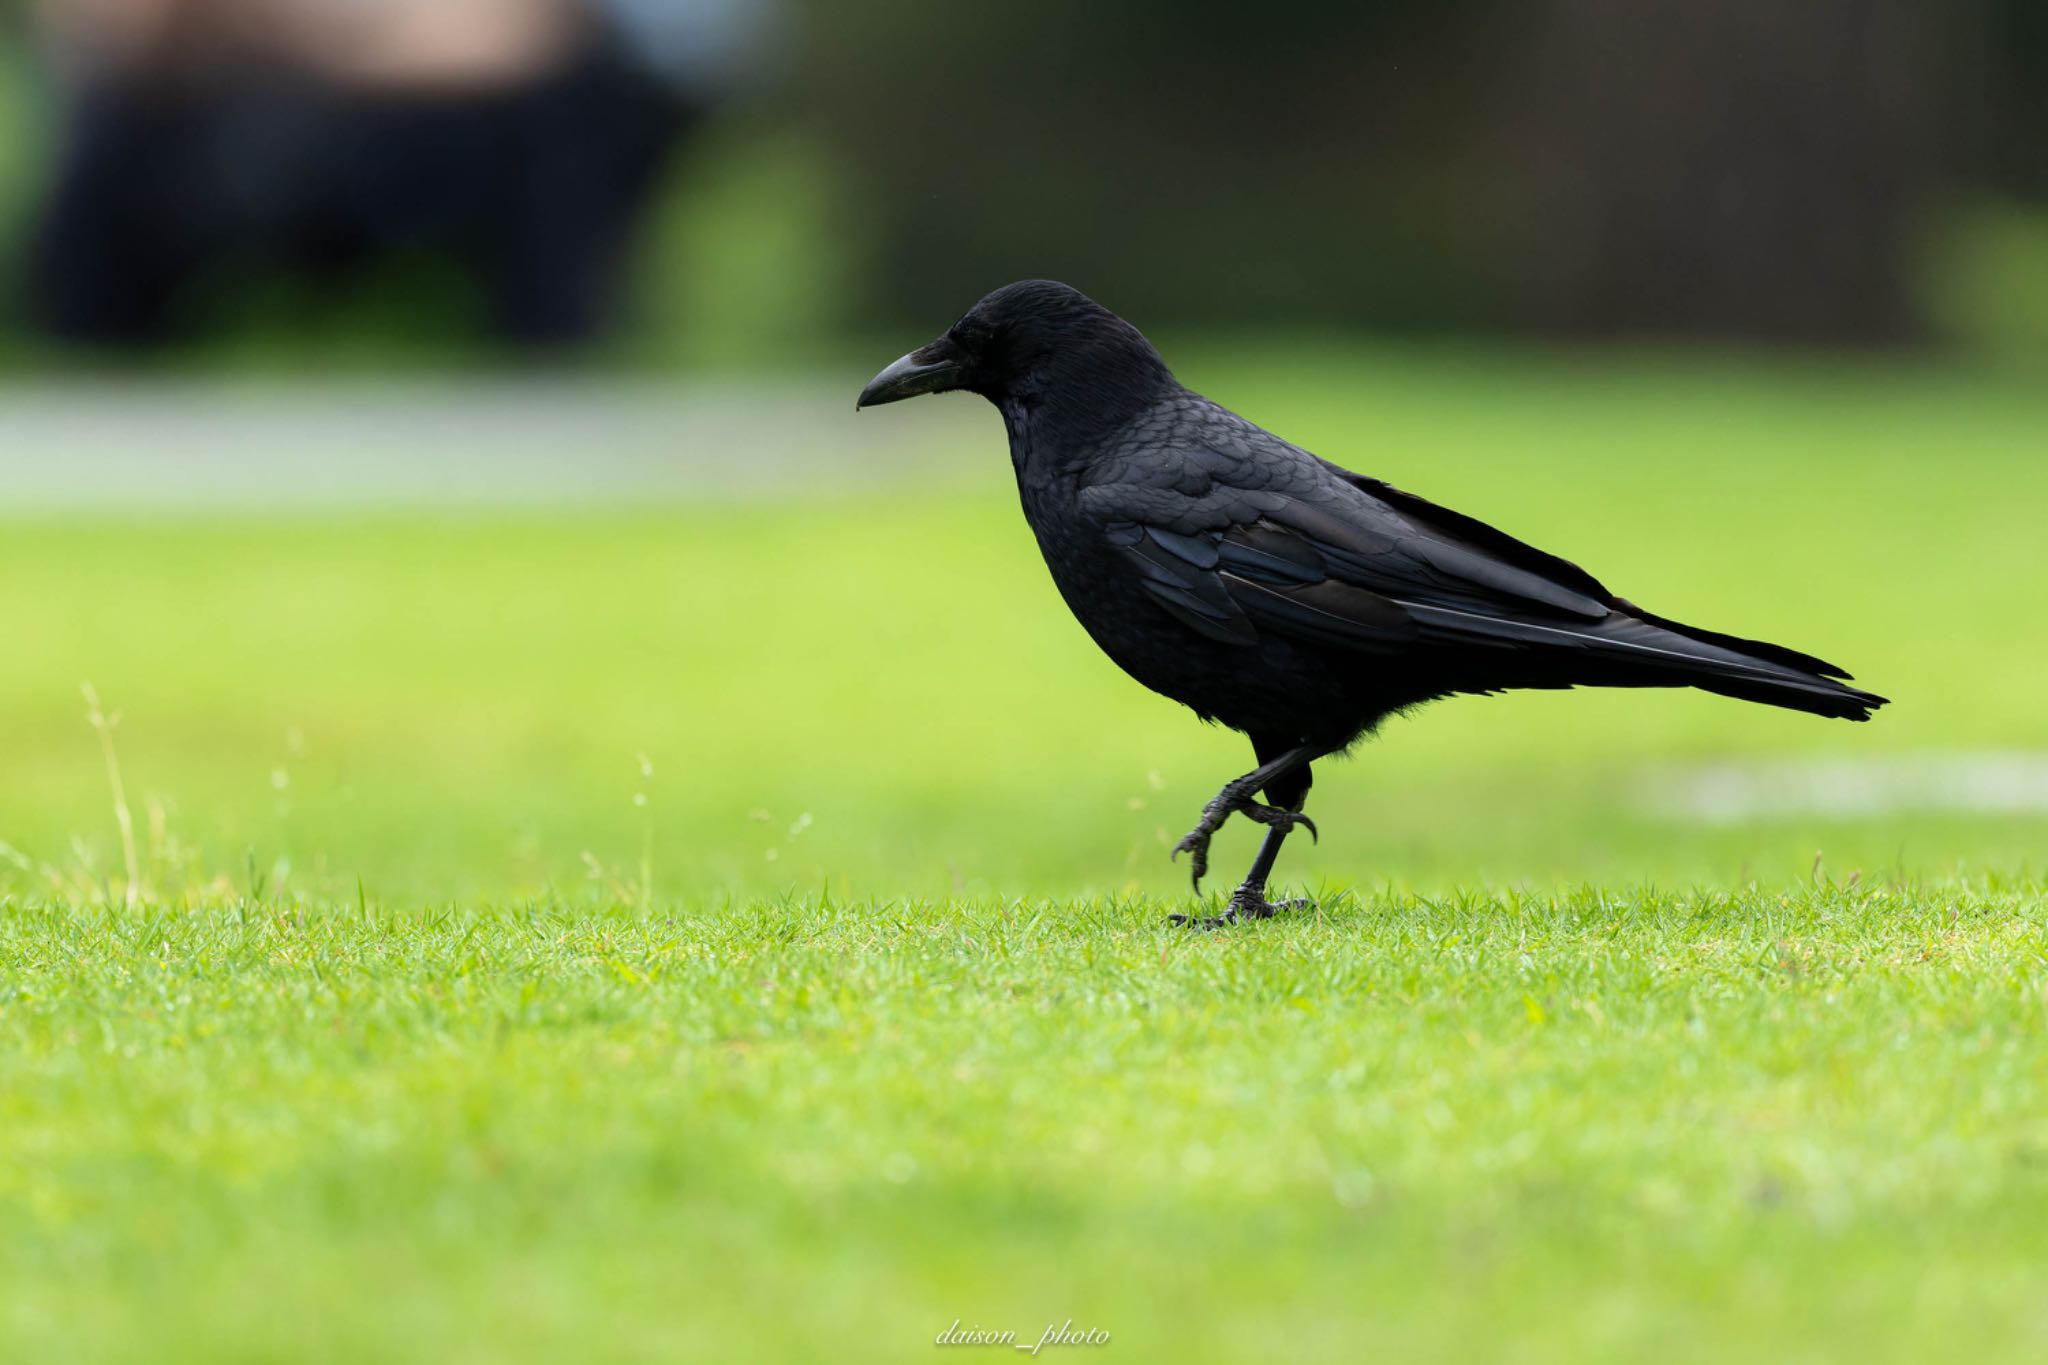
<point x="1275" y="592"/>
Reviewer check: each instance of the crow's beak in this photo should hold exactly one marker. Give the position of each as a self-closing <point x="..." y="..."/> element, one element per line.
<point x="929" y="369"/>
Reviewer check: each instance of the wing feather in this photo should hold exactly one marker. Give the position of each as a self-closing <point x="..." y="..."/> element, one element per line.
<point x="1252" y="537"/>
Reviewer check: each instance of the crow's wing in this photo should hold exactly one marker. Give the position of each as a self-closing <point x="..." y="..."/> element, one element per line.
<point x="1239" y="534"/>
<point x="1240" y="541"/>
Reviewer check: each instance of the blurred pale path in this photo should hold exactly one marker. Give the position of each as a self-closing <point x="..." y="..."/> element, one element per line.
<point x="540" y="439"/>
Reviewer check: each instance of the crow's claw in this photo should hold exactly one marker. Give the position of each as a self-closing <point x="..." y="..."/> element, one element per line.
<point x="1196" y="842"/>
<point x="1277" y="818"/>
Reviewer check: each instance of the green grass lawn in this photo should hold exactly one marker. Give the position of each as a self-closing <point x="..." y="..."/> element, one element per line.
<point x="735" y="931"/>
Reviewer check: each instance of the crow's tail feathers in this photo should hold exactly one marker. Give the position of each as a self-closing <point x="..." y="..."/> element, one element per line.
<point x="1816" y="696"/>
<point x="1750" y="670"/>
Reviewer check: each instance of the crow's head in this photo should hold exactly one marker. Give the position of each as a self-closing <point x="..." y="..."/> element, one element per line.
<point x="1030" y="344"/>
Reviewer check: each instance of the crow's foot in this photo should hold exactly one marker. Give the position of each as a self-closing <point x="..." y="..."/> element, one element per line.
<point x="1218" y="810"/>
<point x="1245" y="903"/>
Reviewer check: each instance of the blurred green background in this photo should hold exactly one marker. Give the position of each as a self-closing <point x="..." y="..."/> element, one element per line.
<point x="877" y="692"/>
<point x="1746" y="310"/>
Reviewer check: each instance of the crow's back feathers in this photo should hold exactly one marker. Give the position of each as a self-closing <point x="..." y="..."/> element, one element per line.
<point x="1239" y="534"/>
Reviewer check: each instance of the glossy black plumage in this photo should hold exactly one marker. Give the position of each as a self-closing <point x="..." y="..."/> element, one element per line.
<point x="1276" y="592"/>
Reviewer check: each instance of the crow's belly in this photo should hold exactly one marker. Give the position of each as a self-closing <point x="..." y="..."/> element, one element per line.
<point x="1272" y="688"/>
<point x="1276" y="688"/>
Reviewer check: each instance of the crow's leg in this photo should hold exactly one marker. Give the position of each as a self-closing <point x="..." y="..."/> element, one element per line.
<point x="1288" y="792"/>
<point x="1239" y="796"/>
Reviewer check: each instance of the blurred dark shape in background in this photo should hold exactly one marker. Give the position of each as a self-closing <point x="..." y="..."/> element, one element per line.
<point x="518" y="140"/>
<point x="1827" y="172"/>
<point x="1741" y="169"/>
